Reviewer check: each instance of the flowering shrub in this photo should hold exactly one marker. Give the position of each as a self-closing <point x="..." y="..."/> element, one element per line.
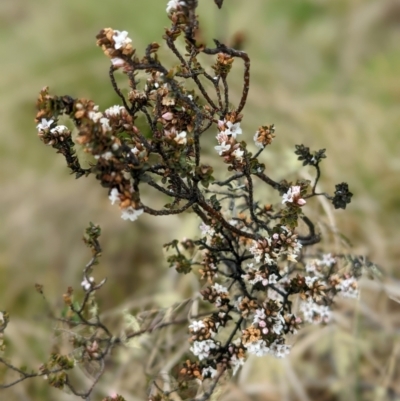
<point x="261" y="280"/>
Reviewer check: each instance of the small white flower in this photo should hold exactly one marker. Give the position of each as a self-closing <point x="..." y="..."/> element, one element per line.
<point x="268" y="260"/>
<point x="59" y="129"/>
<point x="114" y="111"/>
<point x="130" y="213"/>
<point x="259" y="315"/>
<point x="272" y="278"/>
<point x="279" y="350"/>
<point x="173" y="5"/>
<point x="234" y="129"/>
<point x="238" y="154"/>
<point x="314" y="313"/>
<point x="44" y="125"/>
<point x="114" y="196"/>
<point x="197" y="325"/>
<point x="277" y="327"/>
<point x="257" y="278"/>
<point x="87" y="284"/>
<point x="105" y="124"/>
<point x="293" y="194"/>
<point x="288" y="197"/>
<point x="121" y="39"/>
<point x="236" y="363"/>
<point x="202" y="349"/>
<point x="181" y="138"/>
<point x="95" y="115"/>
<point x="206" y="230"/>
<point x="237" y="303"/>
<point x="327" y="260"/>
<point x="222" y="148"/>
<point x="310" y="281"/>
<point x="348" y="288"/>
<point x="258" y="348"/>
<point x="219" y="289"/>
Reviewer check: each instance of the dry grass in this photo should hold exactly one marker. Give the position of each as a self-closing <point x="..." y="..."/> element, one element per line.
<point x="326" y="73"/>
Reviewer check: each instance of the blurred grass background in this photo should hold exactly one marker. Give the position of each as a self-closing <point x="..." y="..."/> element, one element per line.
<point x="326" y="73"/>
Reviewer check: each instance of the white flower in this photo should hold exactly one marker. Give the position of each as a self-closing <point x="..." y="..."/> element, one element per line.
<point x="206" y="230"/>
<point x="87" y="284"/>
<point x="105" y="124"/>
<point x="256" y="251"/>
<point x="197" y="325"/>
<point x="202" y="348"/>
<point x="114" y="111"/>
<point x="348" y="288"/>
<point x="236" y="363"/>
<point x="268" y="260"/>
<point x="219" y="289"/>
<point x="121" y="39"/>
<point x="238" y="154"/>
<point x="234" y="129"/>
<point x="222" y="148"/>
<point x="95" y="115"/>
<point x="131" y="213"/>
<point x="258" y="348"/>
<point x="237" y="303"/>
<point x="44" y="125"/>
<point x="288" y="196"/>
<point x="314" y="313"/>
<point x="259" y="315"/>
<point x="174" y="4"/>
<point x="327" y="260"/>
<point x="293" y="195"/>
<point x="310" y="281"/>
<point x="272" y="278"/>
<point x="209" y="371"/>
<point x="257" y="278"/>
<point x="181" y="138"/>
<point x="59" y="129"/>
<point x="277" y="327"/>
<point x="279" y="350"/>
<point x="114" y="196"/>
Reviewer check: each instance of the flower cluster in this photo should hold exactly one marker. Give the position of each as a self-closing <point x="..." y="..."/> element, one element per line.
<point x="228" y="146"/>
